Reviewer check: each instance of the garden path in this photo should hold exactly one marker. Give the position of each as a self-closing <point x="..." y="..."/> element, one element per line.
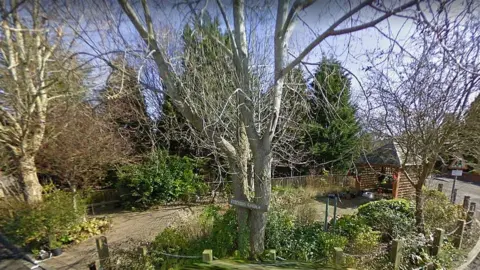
<point x="129" y="229"/>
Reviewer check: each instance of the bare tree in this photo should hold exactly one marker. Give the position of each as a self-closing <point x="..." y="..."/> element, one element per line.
<point x="80" y="146"/>
<point x="254" y="132"/>
<point x="29" y="69"/>
<point x="419" y="101"/>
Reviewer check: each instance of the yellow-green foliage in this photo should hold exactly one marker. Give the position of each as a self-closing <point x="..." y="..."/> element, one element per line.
<point x="439" y="212"/>
<point x="31" y="225"/>
<point x="82" y="231"/>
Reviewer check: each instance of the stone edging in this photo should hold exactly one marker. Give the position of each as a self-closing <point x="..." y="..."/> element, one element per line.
<point x="472" y="255"/>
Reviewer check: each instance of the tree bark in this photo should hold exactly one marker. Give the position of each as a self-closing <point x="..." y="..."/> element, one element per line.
<point x="240" y="185"/>
<point x="258" y="219"/>
<point x="32" y="190"/>
<point x="419" y="201"/>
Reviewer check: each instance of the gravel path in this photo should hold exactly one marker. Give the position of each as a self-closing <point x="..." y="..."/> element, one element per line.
<point x="128" y="229"/>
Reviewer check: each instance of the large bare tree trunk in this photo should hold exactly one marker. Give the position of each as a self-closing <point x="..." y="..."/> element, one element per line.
<point x="258" y="219"/>
<point x="239" y="166"/>
<point x="419" y="201"/>
<point x="32" y="190"/>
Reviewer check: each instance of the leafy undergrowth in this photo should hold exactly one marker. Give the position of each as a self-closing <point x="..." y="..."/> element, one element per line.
<point x="81" y="232"/>
<point x="365" y="237"/>
<point x="237" y="265"/>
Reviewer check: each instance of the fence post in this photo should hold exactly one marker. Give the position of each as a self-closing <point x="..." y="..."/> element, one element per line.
<point x="396" y="253"/>
<point x="466" y="202"/>
<point x="458" y="235"/>
<point x="437" y="241"/>
<point x="103" y="253"/>
<point x="272" y="253"/>
<point x="207" y="256"/>
<point x="143" y="251"/>
<point x="470" y="215"/>
<point x="338" y="256"/>
<point x="473" y="206"/>
<point x="440" y="187"/>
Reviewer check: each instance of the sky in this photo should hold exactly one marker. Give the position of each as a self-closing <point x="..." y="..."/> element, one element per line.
<point x="351" y="50"/>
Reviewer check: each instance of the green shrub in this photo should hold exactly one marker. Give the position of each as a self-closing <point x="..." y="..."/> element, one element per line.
<point x="393" y="218"/>
<point x="294" y="241"/>
<point x="162" y="178"/>
<point x="32" y="225"/>
<point x="279" y="231"/>
<point x="439" y="212"/>
<point x="213" y="230"/>
<point x="365" y="242"/>
<point x="351" y="225"/>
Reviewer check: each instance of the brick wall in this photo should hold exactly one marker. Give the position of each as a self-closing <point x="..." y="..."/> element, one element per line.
<point x="368" y="176"/>
<point x="405" y="189"/>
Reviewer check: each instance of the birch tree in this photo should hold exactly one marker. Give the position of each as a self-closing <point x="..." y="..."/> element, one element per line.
<point x="28" y="46"/>
<point x="254" y="132"/>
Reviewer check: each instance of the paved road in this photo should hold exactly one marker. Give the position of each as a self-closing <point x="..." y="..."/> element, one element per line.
<point x="464" y="189"/>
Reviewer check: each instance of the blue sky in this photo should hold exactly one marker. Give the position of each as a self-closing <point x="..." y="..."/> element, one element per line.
<point x="351" y="49"/>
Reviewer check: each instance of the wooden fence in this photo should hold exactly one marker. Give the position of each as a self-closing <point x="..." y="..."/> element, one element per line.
<point x="102" y="197"/>
<point x="315" y="181"/>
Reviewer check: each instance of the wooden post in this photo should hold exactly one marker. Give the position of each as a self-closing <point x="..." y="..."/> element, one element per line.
<point x="338" y="256"/>
<point x="470" y="216"/>
<point x="454" y="196"/>
<point x="466" y="202"/>
<point x="103" y="253"/>
<point x="458" y="235"/>
<point x="207" y="256"/>
<point x="325" y="226"/>
<point x="473" y="206"/>
<point x="335" y="212"/>
<point x="272" y="253"/>
<point x="143" y="252"/>
<point x="437" y="241"/>
<point x="396" y="253"/>
<point x="440" y="187"/>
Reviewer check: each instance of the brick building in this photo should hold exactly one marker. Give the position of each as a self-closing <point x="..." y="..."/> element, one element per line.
<point x="383" y="170"/>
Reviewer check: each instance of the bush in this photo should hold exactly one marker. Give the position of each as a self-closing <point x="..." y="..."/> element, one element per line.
<point x="439" y="212"/>
<point x="279" y="231"/>
<point x="82" y="231"/>
<point x="351" y="225"/>
<point x="288" y="198"/>
<point x="306" y="214"/>
<point x="32" y="225"/>
<point x="295" y="241"/>
<point x="162" y="178"/>
<point x="393" y="218"/>
<point x="212" y="230"/>
<point x="311" y="243"/>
